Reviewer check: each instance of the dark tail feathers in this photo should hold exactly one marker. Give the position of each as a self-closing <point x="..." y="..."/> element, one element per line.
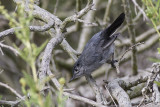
<point x="111" y="29"/>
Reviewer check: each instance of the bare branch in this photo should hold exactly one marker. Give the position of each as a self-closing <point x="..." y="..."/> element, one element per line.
<point x="10" y="48"/>
<point x="11" y="89"/>
<point x="154" y="72"/>
<point x="86" y="31"/>
<point x="130" y="48"/>
<point x="56" y="6"/>
<point x="118" y="93"/>
<point x="11" y="103"/>
<point x="139" y="38"/>
<point x="76" y="16"/>
<point x="131" y="33"/>
<point x="99" y="96"/>
<point x="108" y="5"/>
<point x="111" y="96"/>
<point x="76" y="97"/>
<point x="140" y="9"/>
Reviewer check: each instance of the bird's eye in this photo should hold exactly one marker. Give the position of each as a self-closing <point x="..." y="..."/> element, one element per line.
<point x="76" y="70"/>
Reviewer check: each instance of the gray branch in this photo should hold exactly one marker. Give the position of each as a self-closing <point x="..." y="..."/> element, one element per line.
<point x="118" y="93"/>
<point x="131" y="33"/>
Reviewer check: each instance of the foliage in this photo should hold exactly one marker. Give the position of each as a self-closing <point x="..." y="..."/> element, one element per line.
<point x="153" y="13"/>
<point x="20" y="20"/>
<point x="61" y="100"/>
<point x="157" y="82"/>
<point x="34" y="93"/>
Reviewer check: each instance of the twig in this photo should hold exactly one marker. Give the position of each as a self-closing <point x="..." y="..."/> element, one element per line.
<point x="1" y="70"/>
<point x="134" y="83"/>
<point x="118" y="93"/>
<point x="154" y="72"/>
<point x="130" y="48"/>
<point x="76" y="16"/>
<point x="142" y="11"/>
<point x="156" y="94"/>
<point x="76" y="97"/>
<point x="99" y="96"/>
<point x="11" y="103"/>
<point x="10" y="48"/>
<point x="127" y="10"/>
<point x="11" y="89"/>
<point x="134" y="21"/>
<point x="32" y="28"/>
<point x="108" y="5"/>
<point x="88" y="23"/>
<point x="68" y="90"/>
<point x="88" y="101"/>
<point x="87" y="30"/>
<point x="1" y="51"/>
<point x="139" y="38"/>
<point x="72" y="53"/>
<point x="56" y="6"/>
<point x="78" y="8"/>
<point x="47" y="55"/>
<point x="111" y="96"/>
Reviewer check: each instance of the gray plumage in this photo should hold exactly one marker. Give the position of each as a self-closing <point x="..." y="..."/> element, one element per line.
<point x="98" y="50"/>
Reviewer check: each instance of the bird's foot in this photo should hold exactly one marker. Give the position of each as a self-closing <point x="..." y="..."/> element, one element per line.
<point x="113" y="63"/>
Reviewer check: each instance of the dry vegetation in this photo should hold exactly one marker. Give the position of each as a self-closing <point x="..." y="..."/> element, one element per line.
<point x="58" y="31"/>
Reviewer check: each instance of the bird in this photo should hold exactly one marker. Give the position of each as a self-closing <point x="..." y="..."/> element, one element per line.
<point x="98" y="50"/>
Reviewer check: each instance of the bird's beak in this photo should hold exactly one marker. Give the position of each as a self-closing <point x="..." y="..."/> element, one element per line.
<point x="72" y="78"/>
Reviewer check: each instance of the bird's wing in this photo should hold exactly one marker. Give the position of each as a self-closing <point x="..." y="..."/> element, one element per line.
<point x="108" y="42"/>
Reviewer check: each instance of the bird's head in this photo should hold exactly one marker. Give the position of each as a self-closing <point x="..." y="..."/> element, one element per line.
<point x="78" y="71"/>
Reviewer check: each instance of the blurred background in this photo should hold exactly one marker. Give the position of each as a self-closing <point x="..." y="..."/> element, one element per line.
<point x="77" y="35"/>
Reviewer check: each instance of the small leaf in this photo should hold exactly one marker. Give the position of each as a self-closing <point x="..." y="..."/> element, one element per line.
<point x="48" y="102"/>
<point x="154" y="60"/>
<point x="39" y="49"/>
<point x="30" y="82"/>
<point x="157" y="82"/>
<point x="158" y="50"/>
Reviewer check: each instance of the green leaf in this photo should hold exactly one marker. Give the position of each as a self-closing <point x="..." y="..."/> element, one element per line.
<point x="158" y="50"/>
<point x="30" y="82"/>
<point x="0" y="96"/>
<point x="154" y="60"/>
<point x="48" y="102"/>
<point x="39" y="49"/>
<point x="157" y="82"/>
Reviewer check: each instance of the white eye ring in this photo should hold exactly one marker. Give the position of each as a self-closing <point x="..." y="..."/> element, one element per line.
<point x="76" y="71"/>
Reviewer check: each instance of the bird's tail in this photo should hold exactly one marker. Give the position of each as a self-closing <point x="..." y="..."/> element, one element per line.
<point x="111" y="29"/>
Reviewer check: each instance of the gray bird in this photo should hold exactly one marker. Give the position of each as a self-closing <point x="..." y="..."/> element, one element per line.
<point x="98" y="50"/>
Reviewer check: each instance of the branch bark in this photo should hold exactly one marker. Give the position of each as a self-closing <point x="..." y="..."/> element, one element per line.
<point x="131" y="33"/>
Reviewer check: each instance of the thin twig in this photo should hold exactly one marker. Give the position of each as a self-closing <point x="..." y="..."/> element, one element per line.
<point x="76" y="97"/>
<point x="142" y="11"/>
<point x="130" y="48"/>
<point x="11" y="89"/>
<point x="1" y="71"/>
<point x="99" y="95"/>
<point x="131" y="33"/>
<point x="56" y="6"/>
<point x="11" y="103"/>
<point x="88" y="101"/>
<point x="111" y="96"/>
<point x="87" y="23"/>
<point x="10" y="48"/>
<point x="149" y="87"/>
<point x="105" y="19"/>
